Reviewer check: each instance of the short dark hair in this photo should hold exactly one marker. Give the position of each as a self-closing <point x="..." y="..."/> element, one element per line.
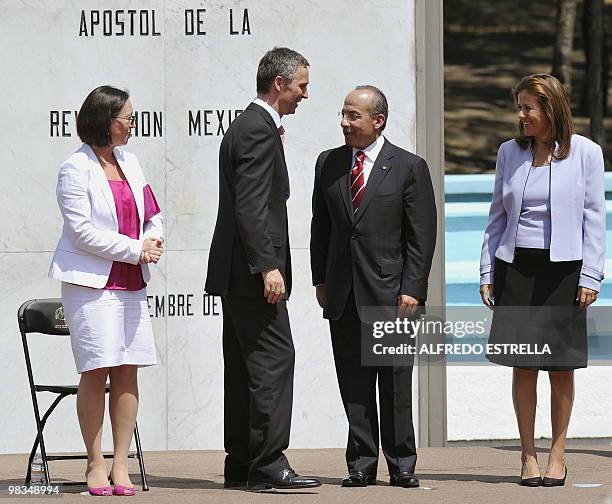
<point x="278" y="61"/>
<point x="379" y="104"/>
<point x="99" y="108"/>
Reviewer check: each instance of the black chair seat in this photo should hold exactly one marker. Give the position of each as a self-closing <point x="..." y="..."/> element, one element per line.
<point x="61" y="389"/>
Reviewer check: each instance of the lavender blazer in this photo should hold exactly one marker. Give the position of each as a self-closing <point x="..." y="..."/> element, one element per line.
<point x="577" y="209"/>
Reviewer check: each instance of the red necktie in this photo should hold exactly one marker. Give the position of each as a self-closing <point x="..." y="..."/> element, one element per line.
<point x="357" y="180"/>
<point x="281" y="132"/>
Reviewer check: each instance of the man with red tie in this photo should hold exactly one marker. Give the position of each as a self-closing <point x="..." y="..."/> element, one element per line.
<point x="249" y="266"/>
<point x="373" y="235"/>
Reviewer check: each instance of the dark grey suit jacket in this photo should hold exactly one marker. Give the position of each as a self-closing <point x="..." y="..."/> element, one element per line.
<point x="386" y="248"/>
<point x="251" y="229"/>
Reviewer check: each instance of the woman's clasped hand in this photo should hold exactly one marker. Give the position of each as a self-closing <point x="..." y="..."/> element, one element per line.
<point x="152" y="250"/>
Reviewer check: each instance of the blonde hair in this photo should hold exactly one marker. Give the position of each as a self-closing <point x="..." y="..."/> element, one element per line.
<point x="554" y="101"/>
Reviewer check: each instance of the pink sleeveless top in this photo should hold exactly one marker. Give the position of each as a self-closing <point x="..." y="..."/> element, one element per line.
<point x="125" y="276"/>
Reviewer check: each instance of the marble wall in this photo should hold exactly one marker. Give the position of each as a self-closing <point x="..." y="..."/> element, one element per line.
<point x="480" y="404"/>
<point x="189" y="66"/>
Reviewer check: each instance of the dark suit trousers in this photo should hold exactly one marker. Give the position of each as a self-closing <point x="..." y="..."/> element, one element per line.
<point x="358" y="390"/>
<point x="259" y="359"/>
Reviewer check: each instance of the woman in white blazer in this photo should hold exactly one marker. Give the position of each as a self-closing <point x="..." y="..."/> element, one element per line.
<point x="112" y="230"/>
<point x="542" y="260"/>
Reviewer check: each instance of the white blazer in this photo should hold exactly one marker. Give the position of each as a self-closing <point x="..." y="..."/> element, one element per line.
<point x="90" y="240"/>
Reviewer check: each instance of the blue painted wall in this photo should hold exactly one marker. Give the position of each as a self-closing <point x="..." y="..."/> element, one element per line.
<point x="467" y="200"/>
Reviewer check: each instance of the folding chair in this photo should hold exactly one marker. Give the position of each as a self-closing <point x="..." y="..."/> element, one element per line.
<point x="46" y="316"/>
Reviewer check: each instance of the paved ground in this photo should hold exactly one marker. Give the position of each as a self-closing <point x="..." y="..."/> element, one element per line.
<point x="457" y="475"/>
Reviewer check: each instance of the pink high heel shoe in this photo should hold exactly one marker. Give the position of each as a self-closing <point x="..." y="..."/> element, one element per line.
<point x="100" y="491"/>
<point x="122" y="490"/>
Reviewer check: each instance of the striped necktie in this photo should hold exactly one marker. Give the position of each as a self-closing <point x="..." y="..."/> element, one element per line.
<point x="357" y="180"/>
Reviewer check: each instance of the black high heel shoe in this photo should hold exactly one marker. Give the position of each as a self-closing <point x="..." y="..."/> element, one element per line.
<point x="536" y="481"/>
<point x="554" y="482"/>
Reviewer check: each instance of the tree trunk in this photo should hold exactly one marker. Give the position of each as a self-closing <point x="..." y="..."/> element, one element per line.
<point x="594" y="71"/>
<point x="564" y="42"/>
<point x="586" y="39"/>
<point x="605" y="71"/>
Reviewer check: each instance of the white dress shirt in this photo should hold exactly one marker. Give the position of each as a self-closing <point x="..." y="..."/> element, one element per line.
<point x="371" y="152"/>
<point x="270" y="110"/>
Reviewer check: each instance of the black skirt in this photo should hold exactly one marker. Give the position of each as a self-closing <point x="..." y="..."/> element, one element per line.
<point x="536" y="320"/>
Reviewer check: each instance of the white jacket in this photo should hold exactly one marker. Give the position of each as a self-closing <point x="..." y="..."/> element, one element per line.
<point x="90" y="240"/>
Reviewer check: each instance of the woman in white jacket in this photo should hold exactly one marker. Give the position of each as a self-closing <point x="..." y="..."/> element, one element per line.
<point x="112" y="229"/>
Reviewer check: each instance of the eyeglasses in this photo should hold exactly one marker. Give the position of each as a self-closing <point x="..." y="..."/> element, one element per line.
<point x="350" y="115"/>
<point x="130" y="118"/>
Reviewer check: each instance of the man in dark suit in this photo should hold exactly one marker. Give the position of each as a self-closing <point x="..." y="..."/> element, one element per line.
<point x="373" y="236"/>
<point x="249" y="266"/>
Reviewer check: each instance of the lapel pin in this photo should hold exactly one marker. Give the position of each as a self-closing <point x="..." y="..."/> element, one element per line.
<point x="386" y="168"/>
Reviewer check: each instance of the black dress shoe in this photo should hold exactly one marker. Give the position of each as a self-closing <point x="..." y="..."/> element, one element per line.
<point x="234" y="484"/>
<point x="404" y="479"/>
<point x="554" y="482"/>
<point x="536" y="481"/>
<point x="358" y="479"/>
<point x="286" y="479"/>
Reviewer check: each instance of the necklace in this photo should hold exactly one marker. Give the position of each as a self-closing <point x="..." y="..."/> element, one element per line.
<point x="546" y="162"/>
<point x="111" y="169"/>
<point x="107" y="163"/>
